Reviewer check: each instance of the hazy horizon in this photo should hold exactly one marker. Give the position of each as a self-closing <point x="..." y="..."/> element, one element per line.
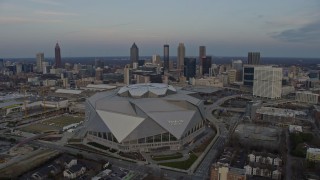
<point x="288" y="28"/>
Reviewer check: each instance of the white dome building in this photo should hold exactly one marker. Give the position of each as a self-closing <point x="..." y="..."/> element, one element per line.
<point x="144" y="117"/>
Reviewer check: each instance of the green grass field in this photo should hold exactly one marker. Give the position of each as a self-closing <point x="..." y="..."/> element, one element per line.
<point x="182" y="164"/>
<point x="167" y="157"/>
<point x="63" y="121"/>
<point x="38" y="128"/>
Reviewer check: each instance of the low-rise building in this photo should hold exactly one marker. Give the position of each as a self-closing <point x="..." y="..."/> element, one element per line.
<point x="307" y="97"/>
<point x="313" y="154"/>
<point x="222" y="172"/>
<point x="74" y="171"/>
<point x="277" y="116"/>
<point x="210" y="81"/>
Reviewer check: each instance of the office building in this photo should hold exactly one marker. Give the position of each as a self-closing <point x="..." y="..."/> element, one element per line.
<point x="189" y="67"/>
<point x="166" y="57"/>
<point x="267" y="82"/>
<point x="181" y="56"/>
<point x="127" y="75"/>
<point x="143" y="118"/>
<point x="134" y="54"/>
<point x="1" y="64"/>
<point x="232" y="74"/>
<point x="99" y="74"/>
<point x="40" y="60"/>
<point x="202" y="52"/>
<point x="156" y="60"/>
<point x="98" y="63"/>
<point x="248" y="75"/>
<point x="206" y="64"/>
<point x="307" y="97"/>
<point x="57" y="56"/>
<point x="254" y="58"/>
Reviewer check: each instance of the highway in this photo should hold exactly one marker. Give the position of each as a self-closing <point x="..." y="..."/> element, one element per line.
<point x="202" y="172"/>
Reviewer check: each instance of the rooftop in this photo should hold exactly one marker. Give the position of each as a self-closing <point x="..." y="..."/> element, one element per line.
<point x="314" y="150"/>
<point x="279" y="112"/>
<point x="146" y="90"/>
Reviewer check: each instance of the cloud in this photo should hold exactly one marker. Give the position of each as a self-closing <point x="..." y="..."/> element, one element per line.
<point x="55" y="13"/>
<point x="307" y="33"/>
<point x="47" y="2"/>
<point x="22" y="20"/>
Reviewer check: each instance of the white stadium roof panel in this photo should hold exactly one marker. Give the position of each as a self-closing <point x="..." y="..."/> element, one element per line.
<point x="175" y="122"/>
<point x="139" y="90"/>
<point x="119" y="124"/>
<point x="156" y="105"/>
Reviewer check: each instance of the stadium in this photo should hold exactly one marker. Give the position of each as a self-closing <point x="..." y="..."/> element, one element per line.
<point x="144" y="117"/>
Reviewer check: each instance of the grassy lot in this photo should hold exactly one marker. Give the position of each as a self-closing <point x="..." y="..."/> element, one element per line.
<point x="167" y="157"/>
<point x="62" y="121"/>
<point x="38" y="128"/>
<point x="182" y="164"/>
<point x="51" y="124"/>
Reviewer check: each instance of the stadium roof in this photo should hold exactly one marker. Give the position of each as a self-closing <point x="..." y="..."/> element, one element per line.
<point x="146" y="90"/>
<point x="127" y="116"/>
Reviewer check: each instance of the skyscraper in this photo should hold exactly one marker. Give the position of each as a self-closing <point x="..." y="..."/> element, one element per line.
<point x="156" y="59"/>
<point x="181" y="56"/>
<point x="166" y="57"/>
<point x="202" y="52"/>
<point x="1" y="64"/>
<point x="189" y="67"/>
<point x="40" y="60"/>
<point x="57" y="56"/>
<point x="254" y="58"/>
<point x="134" y="54"/>
<point x="206" y="64"/>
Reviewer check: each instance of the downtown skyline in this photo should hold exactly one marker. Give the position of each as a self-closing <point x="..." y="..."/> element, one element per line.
<point x="230" y="28"/>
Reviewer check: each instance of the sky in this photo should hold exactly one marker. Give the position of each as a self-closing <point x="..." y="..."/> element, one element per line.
<point x="95" y="28"/>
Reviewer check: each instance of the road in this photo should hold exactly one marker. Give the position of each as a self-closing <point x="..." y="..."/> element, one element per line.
<point x="202" y="172"/>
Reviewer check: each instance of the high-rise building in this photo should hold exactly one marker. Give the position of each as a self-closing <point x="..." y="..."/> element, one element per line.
<point x="206" y="64"/>
<point x="166" y="57"/>
<point x="202" y="52"/>
<point x="189" y="67"/>
<point x="254" y="58"/>
<point x="1" y="64"/>
<point x="127" y="75"/>
<point x="57" y="56"/>
<point x="232" y="76"/>
<point x="40" y="60"/>
<point x="181" y="56"/>
<point x="156" y="60"/>
<point x="134" y="54"/>
<point x="99" y="73"/>
<point x="267" y="82"/>
<point x="238" y="65"/>
<point x="98" y="63"/>
<point x="248" y="75"/>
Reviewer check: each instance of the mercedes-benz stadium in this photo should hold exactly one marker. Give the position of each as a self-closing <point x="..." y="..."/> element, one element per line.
<point x="144" y="117"/>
